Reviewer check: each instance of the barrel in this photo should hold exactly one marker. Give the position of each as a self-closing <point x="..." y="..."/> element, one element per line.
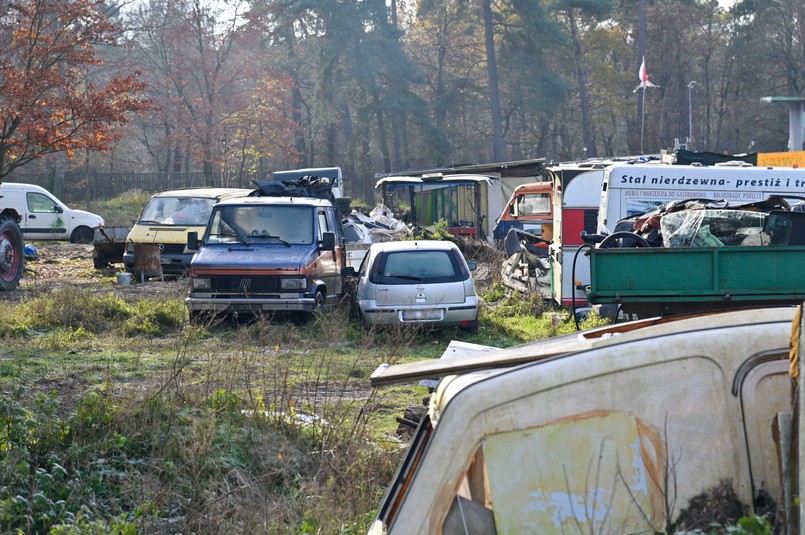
<point x="147" y="261"/>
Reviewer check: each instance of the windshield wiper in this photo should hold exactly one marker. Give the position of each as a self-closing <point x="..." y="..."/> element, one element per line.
<point x="406" y="277"/>
<point x="222" y="235"/>
<point x="270" y="237"/>
<point x="149" y="222"/>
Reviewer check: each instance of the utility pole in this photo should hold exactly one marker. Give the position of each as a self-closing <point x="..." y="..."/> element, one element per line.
<point x="691" y="85"/>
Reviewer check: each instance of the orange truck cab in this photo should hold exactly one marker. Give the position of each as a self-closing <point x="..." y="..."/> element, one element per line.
<point x="530" y="208"/>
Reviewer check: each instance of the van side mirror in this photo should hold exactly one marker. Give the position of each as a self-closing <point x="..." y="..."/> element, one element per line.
<point x="348" y="271"/>
<point x="472" y="264"/>
<point x="58" y="209"/>
<point x="192" y="240"/>
<point x="327" y="241"/>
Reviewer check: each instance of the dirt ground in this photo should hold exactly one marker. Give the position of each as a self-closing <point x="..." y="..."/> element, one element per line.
<point x="57" y="265"/>
<point x="61" y="264"/>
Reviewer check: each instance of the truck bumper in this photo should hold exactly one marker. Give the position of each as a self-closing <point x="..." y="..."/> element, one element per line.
<point x="250" y="305"/>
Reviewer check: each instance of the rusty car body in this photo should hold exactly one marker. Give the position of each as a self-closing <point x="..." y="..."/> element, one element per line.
<point x="671" y="425"/>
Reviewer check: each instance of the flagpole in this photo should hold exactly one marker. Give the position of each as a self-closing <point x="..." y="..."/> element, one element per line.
<point x="642" y="119"/>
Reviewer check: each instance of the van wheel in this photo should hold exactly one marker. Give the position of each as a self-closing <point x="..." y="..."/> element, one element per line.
<point x="82" y="235"/>
<point x="11" y="254"/>
<point x="318" y="305"/>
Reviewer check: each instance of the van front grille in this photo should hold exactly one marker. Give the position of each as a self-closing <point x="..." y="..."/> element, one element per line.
<point x="245" y="285"/>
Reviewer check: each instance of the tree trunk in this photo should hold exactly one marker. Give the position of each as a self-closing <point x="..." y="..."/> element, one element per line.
<point x="498" y="145"/>
<point x="584" y="98"/>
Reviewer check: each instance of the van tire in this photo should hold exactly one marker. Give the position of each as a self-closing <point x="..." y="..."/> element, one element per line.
<point x="12" y="260"/>
<point x="319" y="303"/>
<point x="83" y="235"/>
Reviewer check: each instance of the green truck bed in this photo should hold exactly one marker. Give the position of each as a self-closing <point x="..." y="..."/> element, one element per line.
<point x="650" y="281"/>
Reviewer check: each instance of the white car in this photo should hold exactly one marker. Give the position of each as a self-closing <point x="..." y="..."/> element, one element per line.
<point x="426" y="282"/>
<point x="44" y="217"/>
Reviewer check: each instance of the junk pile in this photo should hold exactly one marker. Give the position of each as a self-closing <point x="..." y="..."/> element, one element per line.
<point x="712" y="223"/>
<point x="379" y="226"/>
<point x="527" y="267"/>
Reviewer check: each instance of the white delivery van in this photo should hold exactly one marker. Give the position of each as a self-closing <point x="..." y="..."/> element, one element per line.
<point x="633" y="189"/>
<point x="44" y="217"/>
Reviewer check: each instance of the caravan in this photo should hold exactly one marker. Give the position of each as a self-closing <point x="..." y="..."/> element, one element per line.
<point x="576" y="197"/>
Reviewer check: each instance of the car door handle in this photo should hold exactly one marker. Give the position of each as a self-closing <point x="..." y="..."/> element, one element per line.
<point x="31" y="217"/>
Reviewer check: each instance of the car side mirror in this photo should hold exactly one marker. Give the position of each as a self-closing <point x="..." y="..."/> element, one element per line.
<point x="58" y="209"/>
<point x="327" y="241"/>
<point x="192" y="240"/>
<point x="472" y="264"/>
<point x="348" y="271"/>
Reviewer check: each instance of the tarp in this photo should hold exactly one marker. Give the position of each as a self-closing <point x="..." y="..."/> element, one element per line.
<point x="687" y="157"/>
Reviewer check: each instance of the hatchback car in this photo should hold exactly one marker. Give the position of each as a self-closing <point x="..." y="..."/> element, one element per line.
<point x="425" y="282"/>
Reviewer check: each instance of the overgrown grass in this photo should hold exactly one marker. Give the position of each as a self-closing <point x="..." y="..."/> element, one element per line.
<point x="126" y="418"/>
<point x="121" y="211"/>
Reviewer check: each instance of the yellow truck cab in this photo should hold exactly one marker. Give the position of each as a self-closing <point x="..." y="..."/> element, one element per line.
<point x="168" y="217"/>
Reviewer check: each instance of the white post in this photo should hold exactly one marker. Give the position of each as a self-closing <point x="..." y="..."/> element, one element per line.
<point x="795" y="122"/>
<point x="691" y="85"/>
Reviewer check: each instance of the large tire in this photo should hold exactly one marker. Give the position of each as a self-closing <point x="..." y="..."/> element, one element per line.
<point x="623" y="239"/>
<point x="12" y="260"/>
<point x="83" y="235"/>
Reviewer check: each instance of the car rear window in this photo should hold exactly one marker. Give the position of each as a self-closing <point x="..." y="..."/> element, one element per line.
<point x="405" y="267"/>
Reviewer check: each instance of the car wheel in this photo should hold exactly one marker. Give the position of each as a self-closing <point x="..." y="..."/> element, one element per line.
<point x="365" y="325"/>
<point x="82" y="235"/>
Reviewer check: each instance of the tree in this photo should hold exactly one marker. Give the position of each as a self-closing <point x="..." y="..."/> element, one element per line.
<point x="47" y="103"/>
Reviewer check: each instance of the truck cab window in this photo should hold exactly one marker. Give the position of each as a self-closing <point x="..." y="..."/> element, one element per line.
<point x="534" y="203"/>
<point x="323" y="226"/>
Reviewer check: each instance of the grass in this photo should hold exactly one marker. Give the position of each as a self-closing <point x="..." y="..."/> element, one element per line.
<point x="120" y="211"/>
<point x="120" y="416"/>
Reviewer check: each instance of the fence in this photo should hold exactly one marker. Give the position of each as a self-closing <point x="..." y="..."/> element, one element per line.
<point x="96" y="186"/>
<point x="86" y="187"/>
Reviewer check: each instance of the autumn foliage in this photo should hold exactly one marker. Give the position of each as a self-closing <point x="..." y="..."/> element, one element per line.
<point x="48" y="101"/>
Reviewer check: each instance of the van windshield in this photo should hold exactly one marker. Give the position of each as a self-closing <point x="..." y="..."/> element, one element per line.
<point x="257" y="224"/>
<point x="178" y="211"/>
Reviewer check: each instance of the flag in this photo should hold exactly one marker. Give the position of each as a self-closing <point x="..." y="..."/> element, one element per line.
<point x="642" y="75"/>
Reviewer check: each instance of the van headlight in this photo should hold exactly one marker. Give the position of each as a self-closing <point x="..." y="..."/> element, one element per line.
<point x="201" y="283"/>
<point x="293" y="283"/>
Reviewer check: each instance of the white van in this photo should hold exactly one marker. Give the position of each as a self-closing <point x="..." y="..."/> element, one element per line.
<point x="44" y="217"/>
<point x="633" y="189"/>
